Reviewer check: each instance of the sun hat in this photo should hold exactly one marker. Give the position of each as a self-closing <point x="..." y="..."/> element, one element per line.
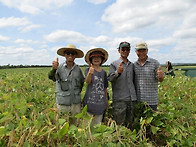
<point x="141" y="45"/>
<point x="124" y="44"/>
<point x="97" y="52"/>
<point x="70" y="47"/>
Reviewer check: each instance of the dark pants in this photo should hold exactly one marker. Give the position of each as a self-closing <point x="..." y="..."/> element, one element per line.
<point x="123" y="112"/>
<point x="153" y="107"/>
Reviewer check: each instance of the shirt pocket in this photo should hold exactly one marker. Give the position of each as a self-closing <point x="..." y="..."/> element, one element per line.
<point x="77" y="96"/>
<point x="77" y="83"/>
<point x="63" y="98"/>
<point x="64" y="85"/>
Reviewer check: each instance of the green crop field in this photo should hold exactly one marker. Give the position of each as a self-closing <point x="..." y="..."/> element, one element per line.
<point x="28" y="115"/>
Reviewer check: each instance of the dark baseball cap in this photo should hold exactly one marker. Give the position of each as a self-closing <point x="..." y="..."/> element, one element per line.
<point x="124" y="44"/>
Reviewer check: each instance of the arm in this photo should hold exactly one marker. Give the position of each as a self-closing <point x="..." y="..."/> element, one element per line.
<point x="89" y="75"/>
<point x="106" y="96"/>
<point x="106" y="88"/>
<point x="88" y="78"/>
<point x="51" y="75"/>
<point x="160" y="74"/>
<point x="114" y="73"/>
<point x="81" y="80"/>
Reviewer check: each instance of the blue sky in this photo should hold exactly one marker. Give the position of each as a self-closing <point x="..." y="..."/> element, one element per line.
<point x="31" y="31"/>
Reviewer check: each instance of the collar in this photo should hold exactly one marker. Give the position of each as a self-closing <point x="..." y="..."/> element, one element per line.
<point x="128" y="62"/>
<point x="147" y="60"/>
<point x="65" y="65"/>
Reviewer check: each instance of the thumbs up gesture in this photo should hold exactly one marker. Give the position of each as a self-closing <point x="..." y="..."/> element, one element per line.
<point x="91" y="70"/>
<point x="160" y="74"/>
<point x="55" y="64"/>
<point x="120" y="68"/>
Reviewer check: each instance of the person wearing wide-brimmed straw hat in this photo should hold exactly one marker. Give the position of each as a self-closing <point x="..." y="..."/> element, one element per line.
<point x="96" y="78"/>
<point x="69" y="80"/>
<point x="121" y="76"/>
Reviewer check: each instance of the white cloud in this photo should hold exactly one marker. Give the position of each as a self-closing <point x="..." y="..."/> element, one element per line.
<point x="24" y="55"/>
<point x="23" y="23"/>
<point x="158" y="43"/>
<point x="35" y="6"/>
<point x="101" y="39"/>
<point x="97" y="1"/>
<point x="13" y="50"/>
<point x="185" y="33"/>
<point x="130" y="15"/>
<point x="167" y="26"/>
<point x="29" y="28"/>
<point x="3" y="38"/>
<point x="13" y="21"/>
<point x="66" y="36"/>
<point x="22" y="41"/>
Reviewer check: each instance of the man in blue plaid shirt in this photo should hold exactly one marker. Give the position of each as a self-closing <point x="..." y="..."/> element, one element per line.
<point x="147" y="75"/>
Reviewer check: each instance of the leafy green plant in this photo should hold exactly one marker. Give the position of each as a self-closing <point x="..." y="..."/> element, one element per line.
<point x="28" y="115"/>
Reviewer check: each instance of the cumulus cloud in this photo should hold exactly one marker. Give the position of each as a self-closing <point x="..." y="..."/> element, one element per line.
<point x="3" y="38"/>
<point x="77" y="37"/>
<point x="23" y="41"/>
<point x="97" y="1"/>
<point x="158" y="43"/>
<point x="130" y="15"/>
<point x="13" y="50"/>
<point x="29" y="28"/>
<point x="167" y="26"/>
<point x="13" y="21"/>
<point x="23" y="23"/>
<point x="66" y="36"/>
<point x="35" y="6"/>
<point x="170" y="25"/>
<point x="23" y="55"/>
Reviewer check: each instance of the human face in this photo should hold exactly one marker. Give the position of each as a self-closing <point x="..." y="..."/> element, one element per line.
<point x="96" y="60"/>
<point x="124" y="52"/>
<point x="142" y="54"/>
<point x="70" y="56"/>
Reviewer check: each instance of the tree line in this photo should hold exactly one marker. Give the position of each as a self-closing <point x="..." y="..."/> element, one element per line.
<point x="37" y="66"/>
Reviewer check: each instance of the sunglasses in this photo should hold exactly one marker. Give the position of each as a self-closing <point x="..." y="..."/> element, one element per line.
<point x="125" y="49"/>
<point x="70" y="52"/>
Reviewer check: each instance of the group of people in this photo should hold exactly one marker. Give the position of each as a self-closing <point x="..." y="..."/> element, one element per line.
<point x="131" y="82"/>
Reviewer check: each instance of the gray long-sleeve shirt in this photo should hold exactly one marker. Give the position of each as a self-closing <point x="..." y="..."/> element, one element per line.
<point x="123" y="88"/>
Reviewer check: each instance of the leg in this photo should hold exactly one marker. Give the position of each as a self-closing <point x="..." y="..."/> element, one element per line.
<point x="63" y="108"/>
<point x="130" y="113"/>
<point x="75" y="109"/>
<point x="119" y="112"/>
<point x="97" y="119"/>
<point x="153" y="107"/>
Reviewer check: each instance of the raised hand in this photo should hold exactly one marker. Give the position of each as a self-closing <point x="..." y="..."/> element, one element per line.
<point x="160" y="74"/>
<point x="91" y="70"/>
<point x="55" y="64"/>
<point x="120" y="68"/>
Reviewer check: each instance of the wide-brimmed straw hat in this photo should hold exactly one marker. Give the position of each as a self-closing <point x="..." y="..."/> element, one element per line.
<point x="89" y="54"/>
<point x="70" y="47"/>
